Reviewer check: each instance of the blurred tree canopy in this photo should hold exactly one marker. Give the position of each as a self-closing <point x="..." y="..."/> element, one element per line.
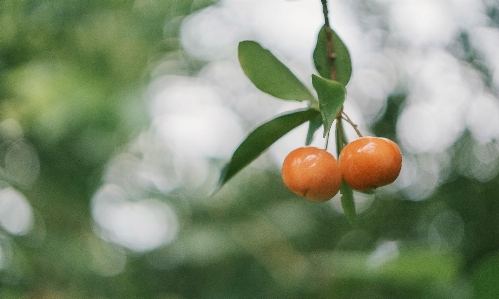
<point x="71" y="81"/>
<point x="73" y="75"/>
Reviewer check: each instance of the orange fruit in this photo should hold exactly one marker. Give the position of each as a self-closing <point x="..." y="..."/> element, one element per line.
<point x="312" y="173"/>
<point x="370" y="162"/>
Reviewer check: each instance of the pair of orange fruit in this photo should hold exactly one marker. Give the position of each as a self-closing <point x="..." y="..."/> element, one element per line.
<point x="365" y="163"/>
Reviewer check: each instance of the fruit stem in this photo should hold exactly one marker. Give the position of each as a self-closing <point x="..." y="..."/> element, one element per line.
<point x="354" y="126"/>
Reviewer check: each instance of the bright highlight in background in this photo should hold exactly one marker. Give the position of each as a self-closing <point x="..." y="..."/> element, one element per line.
<point x="16" y="215"/>
<point x="138" y="225"/>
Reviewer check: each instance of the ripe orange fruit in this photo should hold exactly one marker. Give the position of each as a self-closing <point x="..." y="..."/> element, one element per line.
<point x="312" y="173"/>
<point x="370" y="162"/>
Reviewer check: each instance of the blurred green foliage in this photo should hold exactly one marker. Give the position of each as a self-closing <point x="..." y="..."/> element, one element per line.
<point x="72" y="75"/>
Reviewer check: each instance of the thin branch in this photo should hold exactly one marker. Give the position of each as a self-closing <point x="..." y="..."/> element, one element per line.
<point x="330" y="54"/>
<point x="347" y="201"/>
<point x="354" y="126"/>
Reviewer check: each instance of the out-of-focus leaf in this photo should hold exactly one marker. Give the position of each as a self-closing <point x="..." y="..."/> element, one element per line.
<point x="313" y="126"/>
<point x="342" y="60"/>
<point x="485" y="278"/>
<point x="270" y="75"/>
<point x="413" y="266"/>
<point x="399" y="266"/>
<point x="331" y="97"/>
<point x="261" y="138"/>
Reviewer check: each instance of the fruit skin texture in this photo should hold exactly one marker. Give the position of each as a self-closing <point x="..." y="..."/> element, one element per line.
<point x="312" y="173"/>
<point x="370" y="162"/>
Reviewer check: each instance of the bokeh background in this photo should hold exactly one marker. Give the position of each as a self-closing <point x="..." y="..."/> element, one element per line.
<point x="116" y="118"/>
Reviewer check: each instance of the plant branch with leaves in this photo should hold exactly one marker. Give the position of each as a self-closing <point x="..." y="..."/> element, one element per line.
<point x="333" y="64"/>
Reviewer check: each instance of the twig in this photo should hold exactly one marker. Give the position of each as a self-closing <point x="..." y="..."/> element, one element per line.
<point x="330" y="54"/>
<point x="354" y="126"/>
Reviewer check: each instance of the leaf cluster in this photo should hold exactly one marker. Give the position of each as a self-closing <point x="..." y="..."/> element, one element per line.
<point x="273" y="77"/>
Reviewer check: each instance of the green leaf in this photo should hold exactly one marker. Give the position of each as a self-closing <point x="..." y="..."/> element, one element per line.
<point x="313" y="125"/>
<point x="331" y="97"/>
<point x="262" y="138"/>
<point x="342" y="61"/>
<point x="348" y="203"/>
<point x="270" y="75"/>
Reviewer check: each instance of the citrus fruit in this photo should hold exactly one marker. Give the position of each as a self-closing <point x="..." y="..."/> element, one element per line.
<point x="312" y="173"/>
<point x="370" y="162"/>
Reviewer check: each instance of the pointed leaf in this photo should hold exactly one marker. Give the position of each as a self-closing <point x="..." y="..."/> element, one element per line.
<point x="331" y="97"/>
<point x="269" y="74"/>
<point x="342" y="60"/>
<point x="262" y="138"/>
<point x="313" y="126"/>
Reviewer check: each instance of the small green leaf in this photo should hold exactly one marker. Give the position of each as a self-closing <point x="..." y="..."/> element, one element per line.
<point x="342" y="61"/>
<point x="262" y="138"/>
<point x="331" y="97"/>
<point x="348" y="203"/>
<point x="270" y="75"/>
<point x="313" y="126"/>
